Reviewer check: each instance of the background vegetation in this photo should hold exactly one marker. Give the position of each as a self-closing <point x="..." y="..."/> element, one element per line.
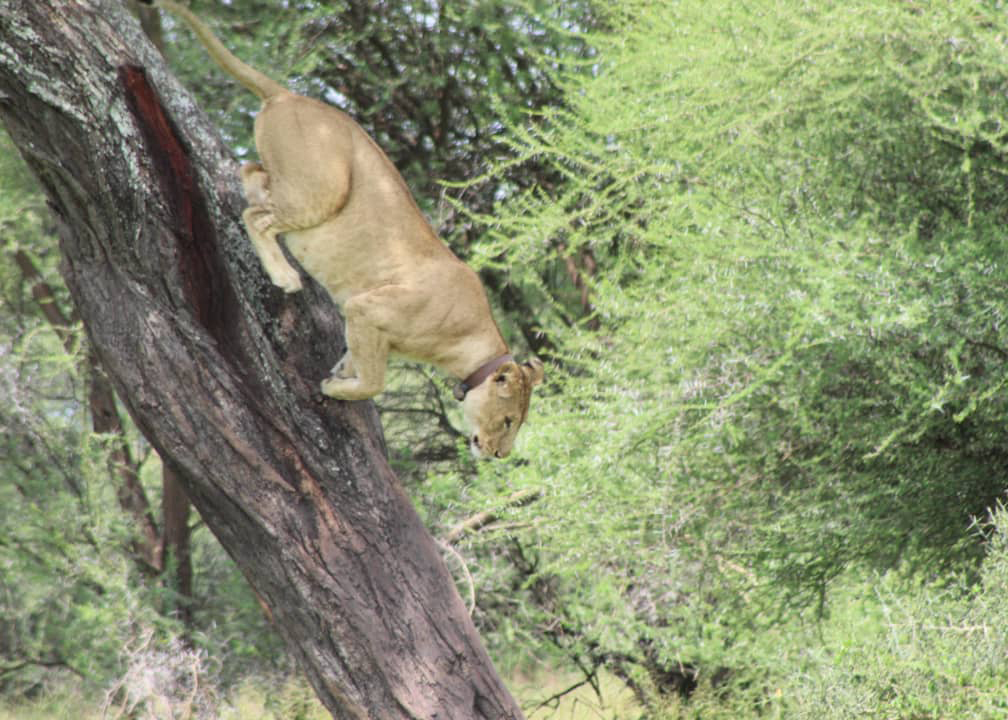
<point x="761" y="247"/>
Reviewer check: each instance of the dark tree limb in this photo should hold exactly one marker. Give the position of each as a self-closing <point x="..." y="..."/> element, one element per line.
<point x="104" y="420"/>
<point x="47" y="664"/>
<point x="220" y="371"/>
<point x="175" y="546"/>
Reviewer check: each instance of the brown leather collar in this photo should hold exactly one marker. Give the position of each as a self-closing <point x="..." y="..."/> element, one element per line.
<point x="482" y="373"/>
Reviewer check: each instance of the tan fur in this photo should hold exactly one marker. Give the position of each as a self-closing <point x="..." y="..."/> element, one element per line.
<point x="351" y="222"/>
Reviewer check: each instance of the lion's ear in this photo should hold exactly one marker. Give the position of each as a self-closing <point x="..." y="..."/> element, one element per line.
<point x="534" y="371"/>
<point x="504" y="383"/>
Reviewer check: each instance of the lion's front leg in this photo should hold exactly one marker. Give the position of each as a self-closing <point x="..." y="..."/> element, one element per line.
<point x="360" y="373"/>
<point x="344" y="368"/>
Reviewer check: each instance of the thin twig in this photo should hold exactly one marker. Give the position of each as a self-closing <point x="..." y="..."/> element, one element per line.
<point x="553" y="700"/>
<point x="465" y="569"/>
<point x="484" y="518"/>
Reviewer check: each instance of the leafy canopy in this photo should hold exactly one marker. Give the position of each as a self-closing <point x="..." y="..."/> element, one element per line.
<point x="792" y="366"/>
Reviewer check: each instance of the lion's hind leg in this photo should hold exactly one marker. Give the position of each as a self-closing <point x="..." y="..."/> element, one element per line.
<point x="307" y="151"/>
<point x="263" y="229"/>
<point x="304" y="179"/>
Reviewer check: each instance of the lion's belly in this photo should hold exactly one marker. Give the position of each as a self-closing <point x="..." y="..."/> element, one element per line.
<point x="343" y="259"/>
<point x="353" y="253"/>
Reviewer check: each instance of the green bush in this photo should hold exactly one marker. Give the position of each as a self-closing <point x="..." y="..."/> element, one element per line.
<point x="791" y="369"/>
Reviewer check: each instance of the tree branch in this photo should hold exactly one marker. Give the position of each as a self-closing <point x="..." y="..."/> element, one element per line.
<point x="44" y="297"/>
<point x="48" y="664"/>
<point x="481" y="519"/>
<point x="104" y="420"/>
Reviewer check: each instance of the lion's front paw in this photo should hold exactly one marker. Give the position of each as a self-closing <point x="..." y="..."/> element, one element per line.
<point x="287" y="279"/>
<point x="330" y="387"/>
<point x="339" y="388"/>
<point x="347" y="389"/>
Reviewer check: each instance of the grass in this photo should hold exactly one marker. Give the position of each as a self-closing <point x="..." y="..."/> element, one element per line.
<point x="56" y="707"/>
<point x="541" y="697"/>
<point x="888" y="649"/>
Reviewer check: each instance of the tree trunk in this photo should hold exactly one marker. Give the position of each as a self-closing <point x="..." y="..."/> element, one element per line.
<point x="175" y="504"/>
<point x="220" y="370"/>
<point x="175" y="546"/>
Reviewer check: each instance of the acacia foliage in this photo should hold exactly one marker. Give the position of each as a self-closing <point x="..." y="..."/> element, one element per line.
<point x="792" y="366"/>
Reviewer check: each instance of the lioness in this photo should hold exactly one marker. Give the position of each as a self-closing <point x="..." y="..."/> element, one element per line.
<point x="351" y="222"/>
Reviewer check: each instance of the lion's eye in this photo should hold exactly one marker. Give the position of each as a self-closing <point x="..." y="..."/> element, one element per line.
<point x="507" y="422"/>
<point x="501" y="378"/>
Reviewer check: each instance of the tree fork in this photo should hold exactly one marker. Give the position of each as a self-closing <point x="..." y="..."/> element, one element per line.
<point x="220" y="370"/>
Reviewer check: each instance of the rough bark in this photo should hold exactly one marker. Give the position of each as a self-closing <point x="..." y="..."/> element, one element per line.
<point x="175" y="505"/>
<point x="220" y="371"/>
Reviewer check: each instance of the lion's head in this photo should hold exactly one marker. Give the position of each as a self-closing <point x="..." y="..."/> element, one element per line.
<point x="497" y="407"/>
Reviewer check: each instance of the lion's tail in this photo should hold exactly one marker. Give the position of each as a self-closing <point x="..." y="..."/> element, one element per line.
<point x="247" y="75"/>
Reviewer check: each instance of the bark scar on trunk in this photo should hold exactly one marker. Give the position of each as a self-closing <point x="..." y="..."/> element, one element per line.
<point x="205" y="280"/>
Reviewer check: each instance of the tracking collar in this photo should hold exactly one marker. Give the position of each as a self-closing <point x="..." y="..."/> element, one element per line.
<point x="482" y="373"/>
